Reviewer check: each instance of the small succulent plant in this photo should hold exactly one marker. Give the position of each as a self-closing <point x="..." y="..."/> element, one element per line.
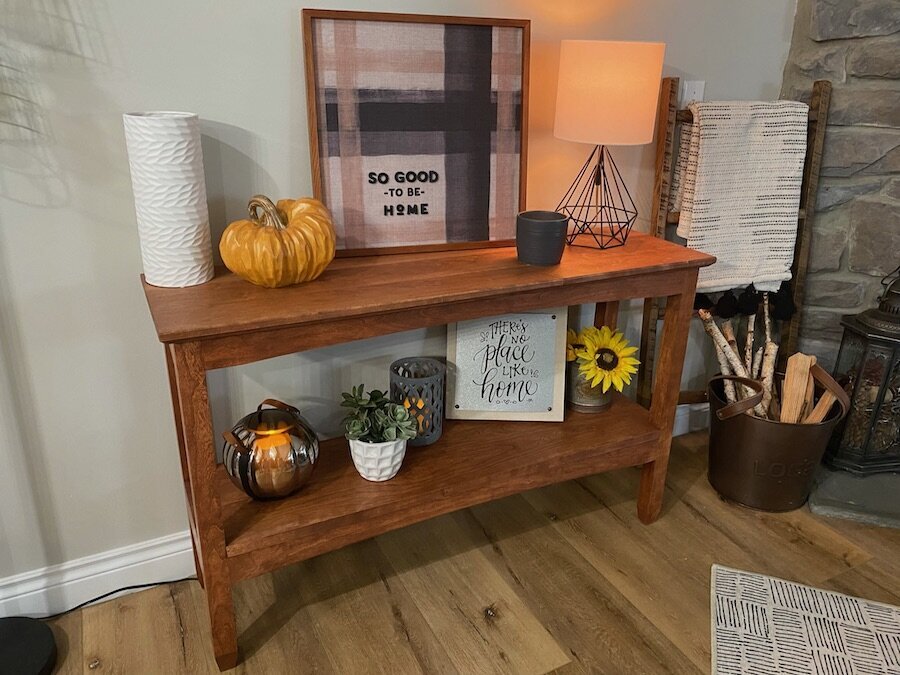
<point x="373" y="418"/>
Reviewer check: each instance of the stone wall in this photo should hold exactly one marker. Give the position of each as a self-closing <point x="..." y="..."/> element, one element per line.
<point x="856" y="231"/>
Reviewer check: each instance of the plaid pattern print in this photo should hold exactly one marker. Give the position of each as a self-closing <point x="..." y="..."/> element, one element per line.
<point x="419" y="130"/>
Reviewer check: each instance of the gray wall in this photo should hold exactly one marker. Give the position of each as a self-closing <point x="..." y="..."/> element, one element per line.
<point x="87" y="447"/>
<point x="856" y="235"/>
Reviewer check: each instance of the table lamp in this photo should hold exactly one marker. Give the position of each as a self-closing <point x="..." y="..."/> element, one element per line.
<point x="607" y="95"/>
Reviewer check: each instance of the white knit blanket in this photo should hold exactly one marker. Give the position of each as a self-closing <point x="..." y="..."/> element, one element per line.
<point x="739" y="189"/>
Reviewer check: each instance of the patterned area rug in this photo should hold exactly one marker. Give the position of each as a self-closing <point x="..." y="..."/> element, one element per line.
<point x="763" y="625"/>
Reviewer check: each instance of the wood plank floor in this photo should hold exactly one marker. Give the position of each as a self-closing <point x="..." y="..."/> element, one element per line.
<point x="562" y="579"/>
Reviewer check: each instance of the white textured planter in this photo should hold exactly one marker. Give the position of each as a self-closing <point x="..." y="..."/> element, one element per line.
<point x="169" y="187"/>
<point x="377" y="461"/>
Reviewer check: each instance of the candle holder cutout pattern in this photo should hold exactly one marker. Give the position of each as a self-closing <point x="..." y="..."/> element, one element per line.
<point x="418" y="384"/>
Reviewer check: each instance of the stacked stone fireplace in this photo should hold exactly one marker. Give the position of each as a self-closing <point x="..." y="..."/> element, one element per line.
<point x="856" y="233"/>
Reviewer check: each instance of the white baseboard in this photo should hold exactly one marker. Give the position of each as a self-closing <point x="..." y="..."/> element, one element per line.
<point x="690" y="417"/>
<point x="59" y="587"/>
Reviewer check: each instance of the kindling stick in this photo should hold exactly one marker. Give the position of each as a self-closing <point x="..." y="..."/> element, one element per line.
<point x="826" y="400"/>
<point x="795" y="390"/>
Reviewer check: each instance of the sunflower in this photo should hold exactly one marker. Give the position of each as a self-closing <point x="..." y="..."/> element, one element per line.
<point x="606" y="358"/>
<point x="572" y="343"/>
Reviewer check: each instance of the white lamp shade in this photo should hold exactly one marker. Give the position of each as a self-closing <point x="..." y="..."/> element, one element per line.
<point x="608" y="91"/>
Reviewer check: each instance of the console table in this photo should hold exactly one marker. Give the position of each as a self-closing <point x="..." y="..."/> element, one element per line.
<point x="228" y="322"/>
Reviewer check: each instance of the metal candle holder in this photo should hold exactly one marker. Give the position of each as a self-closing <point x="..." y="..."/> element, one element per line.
<point x="417" y="383"/>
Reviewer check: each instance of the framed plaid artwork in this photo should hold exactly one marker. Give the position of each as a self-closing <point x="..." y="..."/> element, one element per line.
<point x="417" y="127"/>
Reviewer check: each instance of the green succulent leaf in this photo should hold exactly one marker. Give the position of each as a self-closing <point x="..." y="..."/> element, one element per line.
<point x="373" y="418"/>
<point x="356" y="428"/>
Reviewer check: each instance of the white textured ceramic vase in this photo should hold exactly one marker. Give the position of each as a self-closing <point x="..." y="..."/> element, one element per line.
<point x="377" y="461"/>
<point x="166" y="163"/>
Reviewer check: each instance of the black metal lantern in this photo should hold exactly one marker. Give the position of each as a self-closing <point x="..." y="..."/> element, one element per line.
<point x="868" y="366"/>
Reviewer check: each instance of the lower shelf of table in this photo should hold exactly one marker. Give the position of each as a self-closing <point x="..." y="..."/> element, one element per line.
<point x="473" y="462"/>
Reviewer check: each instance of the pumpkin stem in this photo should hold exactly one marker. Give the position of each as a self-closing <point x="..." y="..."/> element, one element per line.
<point x="270" y="215"/>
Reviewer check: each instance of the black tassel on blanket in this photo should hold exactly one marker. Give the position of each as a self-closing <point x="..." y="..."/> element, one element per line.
<point x="783" y="305"/>
<point x="727" y="306"/>
<point x="702" y="301"/>
<point x="748" y="301"/>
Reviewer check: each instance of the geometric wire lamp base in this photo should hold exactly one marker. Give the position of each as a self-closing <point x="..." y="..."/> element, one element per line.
<point x="599" y="206"/>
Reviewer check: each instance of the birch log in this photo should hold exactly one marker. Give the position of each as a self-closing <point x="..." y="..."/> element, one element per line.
<point x="730" y="337"/>
<point x="768" y="372"/>
<point x="734" y="361"/>
<point x="748" y="344"/>
<point x="757" y="362"/>
<point x="721" y="342"/>
<point x="725" y="369"/>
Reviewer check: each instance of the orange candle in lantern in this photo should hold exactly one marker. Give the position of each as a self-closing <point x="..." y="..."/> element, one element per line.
<point x="420" y="404"/>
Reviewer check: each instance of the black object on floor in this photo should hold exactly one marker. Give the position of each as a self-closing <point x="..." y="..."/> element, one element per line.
<point x="27" y="647"/>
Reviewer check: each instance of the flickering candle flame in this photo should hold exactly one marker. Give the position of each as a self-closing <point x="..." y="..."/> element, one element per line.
<point x="420" y="404"/>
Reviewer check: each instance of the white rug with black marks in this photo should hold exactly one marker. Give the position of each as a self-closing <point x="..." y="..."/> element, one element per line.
<point x="764" y="625"/>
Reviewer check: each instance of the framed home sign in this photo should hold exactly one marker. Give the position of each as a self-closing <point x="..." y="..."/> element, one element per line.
<point x="417" y="127"/>
<point x="509" y="367"/>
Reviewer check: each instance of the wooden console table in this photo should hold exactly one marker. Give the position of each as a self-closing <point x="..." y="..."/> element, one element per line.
<point x="228" y="322"/>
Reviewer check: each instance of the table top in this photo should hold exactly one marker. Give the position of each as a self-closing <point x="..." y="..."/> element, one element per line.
<point x="370" y="285"/>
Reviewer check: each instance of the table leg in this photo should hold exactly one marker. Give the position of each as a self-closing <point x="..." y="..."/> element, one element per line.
<point x="667" y="383"/>
<point x="606" y="314"/>
<point x="185" y="474"/>
<point x="200" y="459"/>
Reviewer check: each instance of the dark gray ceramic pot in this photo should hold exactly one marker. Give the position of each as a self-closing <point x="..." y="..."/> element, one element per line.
<point x="541" y="237"/>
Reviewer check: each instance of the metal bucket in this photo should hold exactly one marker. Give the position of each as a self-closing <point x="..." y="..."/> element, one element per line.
<point x="764" y="464"/>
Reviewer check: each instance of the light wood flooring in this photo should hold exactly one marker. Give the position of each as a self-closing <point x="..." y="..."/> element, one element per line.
<point x="562" y="579"/>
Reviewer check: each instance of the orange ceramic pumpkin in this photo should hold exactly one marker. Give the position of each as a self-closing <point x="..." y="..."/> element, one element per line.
<point x="289" y="243"/>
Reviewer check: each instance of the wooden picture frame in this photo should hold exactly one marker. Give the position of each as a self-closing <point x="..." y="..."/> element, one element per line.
<point x="508" y="367"/>
<point x="403" y="166"/>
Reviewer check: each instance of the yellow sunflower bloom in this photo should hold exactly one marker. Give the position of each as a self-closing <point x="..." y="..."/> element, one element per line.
<point x="606" y="359"/>
<point x="571" y="341"/>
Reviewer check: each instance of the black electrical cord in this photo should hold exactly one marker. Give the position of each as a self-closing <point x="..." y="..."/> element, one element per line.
<point x="133" y="587"/>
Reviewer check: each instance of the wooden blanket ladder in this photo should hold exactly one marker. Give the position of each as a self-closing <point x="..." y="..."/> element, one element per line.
<point x="667" y="118"/>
